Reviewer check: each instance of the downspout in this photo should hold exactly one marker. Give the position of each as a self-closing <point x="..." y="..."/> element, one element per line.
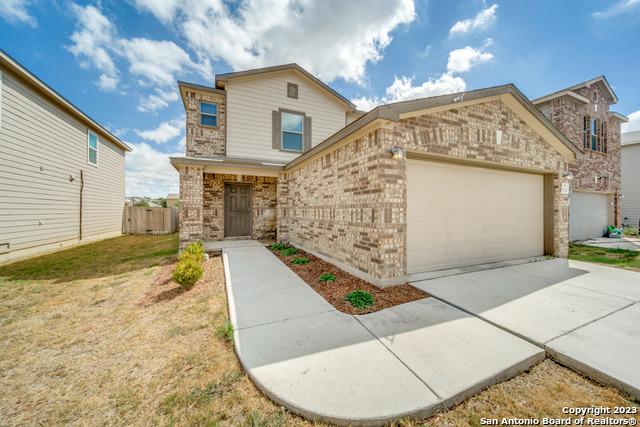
<point x="81" y="189"/>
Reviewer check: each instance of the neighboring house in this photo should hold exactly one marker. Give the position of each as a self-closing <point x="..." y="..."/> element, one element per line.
<point x="173" y="200"/>
<point x="582" y="113"/>
<point x="61" y="173"/>
<point x="631" y="178"/>
<point x="408" y="187"/>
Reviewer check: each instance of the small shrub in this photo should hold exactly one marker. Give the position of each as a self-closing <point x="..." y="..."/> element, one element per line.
<point x="327" y="277"/>
<point x="277" y="246"/>
<point x="360" y="299"/>
<point x="289" y="251"/>
<point x="193" y="250"/>
<point x="300" y="261"/>
<point x="631" y="231"/>
<point x="225" y="331"/>
<point x="188" y="271"/>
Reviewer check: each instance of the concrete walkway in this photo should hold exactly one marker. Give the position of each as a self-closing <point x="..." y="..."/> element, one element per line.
<point x="409" y="360"/>
<point x="585" y="315"/>
<point x="628" y="243"/>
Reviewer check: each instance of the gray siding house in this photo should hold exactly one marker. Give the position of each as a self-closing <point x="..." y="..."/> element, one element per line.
<point x="61" y="173"/>
<point x="631" y="178"/>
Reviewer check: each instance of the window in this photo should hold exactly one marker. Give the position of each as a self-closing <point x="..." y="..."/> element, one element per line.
<point x="585" y="131"/>
<point x="208" y="114"/>
<point x="594" y="134"/>
<point x="292" y="90"/>
<point x="92" y="148"/>
<point x="292" y="130"/>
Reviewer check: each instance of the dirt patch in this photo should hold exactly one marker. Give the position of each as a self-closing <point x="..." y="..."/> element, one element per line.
<point x="335" y="292"/>
<point x="163" y="288"/>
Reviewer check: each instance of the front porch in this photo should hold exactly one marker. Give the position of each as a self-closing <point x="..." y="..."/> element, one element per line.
<point x="225" y="200"/>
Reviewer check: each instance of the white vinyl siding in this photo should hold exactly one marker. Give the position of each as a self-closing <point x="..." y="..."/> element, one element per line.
<point x="589" y="215"/>
<point x="461" y="215"/>
<point x="251" y="101"/>
<point x="631" y="183"/>
<point x="41" y="147"/>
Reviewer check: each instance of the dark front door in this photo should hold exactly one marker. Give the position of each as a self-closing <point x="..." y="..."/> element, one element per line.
<point x="237" y="210"/>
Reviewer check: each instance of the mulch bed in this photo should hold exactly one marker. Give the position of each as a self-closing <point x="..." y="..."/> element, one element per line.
<point x="335" y="292"/>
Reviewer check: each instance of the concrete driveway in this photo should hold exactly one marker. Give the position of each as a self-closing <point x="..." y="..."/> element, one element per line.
<point x="585" y="315"/>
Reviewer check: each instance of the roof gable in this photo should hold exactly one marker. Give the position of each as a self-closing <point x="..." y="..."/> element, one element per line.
<point x="598" y="80"/>
<point x="221" y="79"/>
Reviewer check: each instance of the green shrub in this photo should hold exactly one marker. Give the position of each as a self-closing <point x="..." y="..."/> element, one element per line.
<point x="327" y="277"/>
<point x="289" y="251"/>
<point x="360" y="299"/>
<point x="193" y="250"/>
<point x="300" y="261"/>
<point x="188" y="271"/>
<point x="225" y="331"/>
<point x="277" y="246"/>
<point x="631" y="231"/>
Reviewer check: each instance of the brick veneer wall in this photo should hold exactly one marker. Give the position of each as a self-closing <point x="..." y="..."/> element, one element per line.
<point x="264" y="190"/>
<point x="204" y="141"/>
<point x="350" y="204"/>
<point x="190" y="212"/>
<point x="567" y="115"/>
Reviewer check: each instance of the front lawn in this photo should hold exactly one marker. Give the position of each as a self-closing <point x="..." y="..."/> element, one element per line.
<point x="101" y="335"/>
<point x="620" y="258"/>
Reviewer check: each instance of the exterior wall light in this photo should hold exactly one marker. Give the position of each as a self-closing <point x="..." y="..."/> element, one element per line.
<point x="567" y="175"/>
<point x="397" y="153"/>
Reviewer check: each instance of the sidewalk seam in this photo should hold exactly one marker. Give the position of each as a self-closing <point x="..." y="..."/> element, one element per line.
<point x="285" y="319"/>
<point x="398" y="358"/>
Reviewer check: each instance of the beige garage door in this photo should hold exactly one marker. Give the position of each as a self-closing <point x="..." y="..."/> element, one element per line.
<point x="588" y="215"/>
<point x="461" y="215"/>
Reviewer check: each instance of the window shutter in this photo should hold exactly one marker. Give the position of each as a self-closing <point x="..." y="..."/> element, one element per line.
<point x="276" y="129"/>
<point x="307" y="134"/>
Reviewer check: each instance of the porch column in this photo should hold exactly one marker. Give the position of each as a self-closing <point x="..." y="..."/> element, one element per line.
<point x="191" y="197"/>
<point x="560" y="216"/>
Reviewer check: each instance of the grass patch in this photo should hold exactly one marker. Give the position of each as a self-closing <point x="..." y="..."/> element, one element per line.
<point x="327" y="277"/>
<point x="93" y="260"/>
<point x="300" y="261"/>
<point x="615" y="257"/>
<point x="225" y="331"/>
<point x="360" y="299"/>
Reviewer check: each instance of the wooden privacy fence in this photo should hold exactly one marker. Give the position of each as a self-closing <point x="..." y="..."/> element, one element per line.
<point x="139" y="220"/>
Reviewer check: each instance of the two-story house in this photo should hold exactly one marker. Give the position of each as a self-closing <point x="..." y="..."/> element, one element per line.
<point x="408" y="187"/>
<point x="582" y="112"/>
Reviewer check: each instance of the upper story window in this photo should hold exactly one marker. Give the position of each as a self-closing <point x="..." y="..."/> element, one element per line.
<point x="92" y="148"/>
<point x="594" y="134"/>
<point x="292" y="131"/>
<point x="208" y="114"/>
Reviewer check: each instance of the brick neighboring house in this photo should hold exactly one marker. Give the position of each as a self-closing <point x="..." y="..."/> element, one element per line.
<point x="582" y="112"/>
<point x="405" y="188"/>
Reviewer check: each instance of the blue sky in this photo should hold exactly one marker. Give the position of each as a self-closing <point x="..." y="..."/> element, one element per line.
<point x="119" y="60"/>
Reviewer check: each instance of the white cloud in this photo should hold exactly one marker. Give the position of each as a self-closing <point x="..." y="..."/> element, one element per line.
<point x="617" y="8"/>
<point x="402" y="89"/>
<point x="158" y="100"/>
<point x="92" y="42"/>
<point x="634" y="122"/>
<point x="327" y="43"/>
<point x="15" y="11"/>
<point x="479" y="22"/>
<point x="166" y="131"/>
<point x="461" y="60"/>
<point x="155" y="64"/>
<point x="149" y="172"/>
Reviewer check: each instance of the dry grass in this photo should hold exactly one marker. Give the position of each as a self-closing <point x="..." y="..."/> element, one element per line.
<point x="120" y="344"/>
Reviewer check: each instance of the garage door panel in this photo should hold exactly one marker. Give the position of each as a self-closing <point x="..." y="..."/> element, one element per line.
<point x="470" y="215"/>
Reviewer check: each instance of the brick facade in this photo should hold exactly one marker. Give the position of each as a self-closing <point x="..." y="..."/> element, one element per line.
<point x="357" y="216"/>
<point x="191" y="212"/>
<point x="204" y="141"/>
<point x="593" y="171"/>
<point x="263" y="205"/>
